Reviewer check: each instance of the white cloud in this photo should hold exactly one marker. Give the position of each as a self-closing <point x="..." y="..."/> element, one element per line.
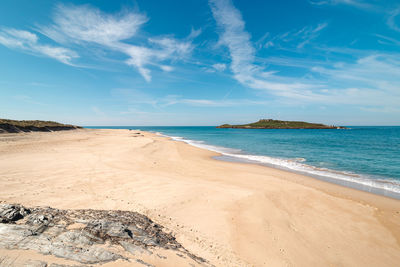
<point x="28" y="42"/>
<point x="194" y="33"/>
<point x="387" y="40"/>
<point x="377" y="72"/>
<point x="355" y="3"/>
<point x="299" y="38"/>
<point x="220" y="103"/>
<point x="139" y="57"/>
<point x="24" y="36"/>
<point x="233" y="35"/>
<point x="219" y="66"/>
<point x="392" y="20"/>
<point x="60" y="53"/>
<point x="310" y="33"/>
<point x="166" y="68"/>
<point x="370" y="81"/>
<point x="294" y="62"/>
<point x="85" y="25"/>
<point x="171" y="48"/>
<point x="269" y="44"/>
<point x="163" y="49"/>
<point x="137" y="97"/>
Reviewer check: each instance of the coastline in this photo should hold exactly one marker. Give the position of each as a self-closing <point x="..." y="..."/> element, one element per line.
<point x="388" y="188"/>
<point x="227" y="212"/>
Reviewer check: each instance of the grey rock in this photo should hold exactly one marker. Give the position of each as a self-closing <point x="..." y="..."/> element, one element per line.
<point x="11" y="213"/>
<point x="35" y="263"/>
<point x="134" y="249"/>
<point x="47" y="231"/>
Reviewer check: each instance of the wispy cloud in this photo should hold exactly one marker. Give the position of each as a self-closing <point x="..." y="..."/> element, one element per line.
<point x="222" y="102"/>
<point x="391" y="21"/>
<point x="379" y="72"/>
<point x="368" y="81"/>
<point x="355" y="3"/>
<point x="234" y="36"/>
<point x="307" y="34"/>
<point x="294" y="62"/>
<point x="390" y="11"/>
<point x="387" y="40"/>
<point x="29" y="42"/>
<point x="137" y="97"/>
<point x="219" y="66"/>
<point x="87" y="26"/>
<point x="299" y="38"/>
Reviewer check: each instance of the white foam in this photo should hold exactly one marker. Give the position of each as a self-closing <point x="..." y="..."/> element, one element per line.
<point x="201" y="144"/>
<point x="297" y="165"/>
<point x="389" y="185"/>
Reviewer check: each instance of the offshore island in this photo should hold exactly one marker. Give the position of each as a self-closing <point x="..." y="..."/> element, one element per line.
<point x="277" y="124"/>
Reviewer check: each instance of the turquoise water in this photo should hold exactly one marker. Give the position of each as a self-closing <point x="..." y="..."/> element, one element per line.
<point x="367" y="158"/>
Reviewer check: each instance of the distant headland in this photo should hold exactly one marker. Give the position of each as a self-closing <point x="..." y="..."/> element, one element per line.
<point x="14" y="126"/>
<point x="277" y="124"/>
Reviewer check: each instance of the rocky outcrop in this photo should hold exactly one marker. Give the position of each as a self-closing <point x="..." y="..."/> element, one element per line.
<point x="84" y="236"/>
<point x="12" y="213"/>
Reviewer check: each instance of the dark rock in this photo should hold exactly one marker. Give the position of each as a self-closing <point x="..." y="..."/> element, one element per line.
<point x="11" y="213"/>
<point x="47" y="231"/>
<point x="144" y="263"/>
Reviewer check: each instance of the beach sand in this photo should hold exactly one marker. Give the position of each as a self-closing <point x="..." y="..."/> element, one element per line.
<point x="232" y="214"/>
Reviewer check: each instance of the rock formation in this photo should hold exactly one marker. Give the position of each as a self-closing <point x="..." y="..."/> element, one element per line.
<point x="84" y="236"/>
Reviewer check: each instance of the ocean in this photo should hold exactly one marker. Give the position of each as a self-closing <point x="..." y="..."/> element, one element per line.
<point x="361" y="157"/>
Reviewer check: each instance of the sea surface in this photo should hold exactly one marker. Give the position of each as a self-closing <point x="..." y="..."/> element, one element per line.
<point x="362" y="157"/>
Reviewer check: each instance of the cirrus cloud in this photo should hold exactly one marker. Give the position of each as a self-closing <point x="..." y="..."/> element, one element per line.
<point x="86" y="26"/>
<point x="29" y="42"/>
<point x="370" y="81"/>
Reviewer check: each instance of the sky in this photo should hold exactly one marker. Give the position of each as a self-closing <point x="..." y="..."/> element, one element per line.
<point x="199" y="62"/>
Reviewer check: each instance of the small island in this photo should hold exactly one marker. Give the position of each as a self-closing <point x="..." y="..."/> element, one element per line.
<point x="277" y="124"/>
<point x="14" y="126"/>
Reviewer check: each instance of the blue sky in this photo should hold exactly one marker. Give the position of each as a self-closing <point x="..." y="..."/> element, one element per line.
<point x="199" y="62"/>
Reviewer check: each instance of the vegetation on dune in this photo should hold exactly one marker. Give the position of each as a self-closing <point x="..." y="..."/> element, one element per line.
<point x="14" y="126"/>
<point x="33" y="123"/>
<point x="277" y="124"/>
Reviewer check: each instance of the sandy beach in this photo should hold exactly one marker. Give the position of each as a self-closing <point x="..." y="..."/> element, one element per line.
<point x="231" y="214"/>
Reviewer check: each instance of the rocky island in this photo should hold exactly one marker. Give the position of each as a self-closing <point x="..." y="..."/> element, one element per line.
<point x="277" y="124"/>
<point x="14" y="126"/>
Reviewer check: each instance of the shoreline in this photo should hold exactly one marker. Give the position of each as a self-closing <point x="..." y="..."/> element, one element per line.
<point x="231" y="214"/>
<point x="318" y="182"/>
<point x="331" y="180"/>
<point x="365" y="184"/>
